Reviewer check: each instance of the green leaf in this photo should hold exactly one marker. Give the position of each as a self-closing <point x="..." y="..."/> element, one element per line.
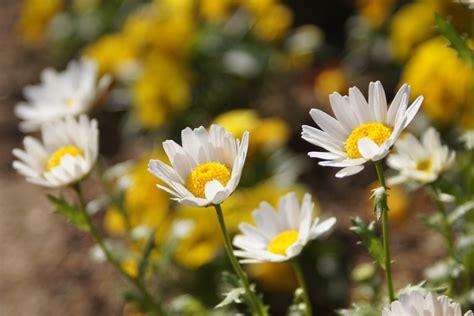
<point x="72" y="214"/>
<point x="369" y="239"/>
<point x="446" y="28"/>
<point x="460" y="211"/>
<point x="149" y="246"/>
<point x="433" y="222"/>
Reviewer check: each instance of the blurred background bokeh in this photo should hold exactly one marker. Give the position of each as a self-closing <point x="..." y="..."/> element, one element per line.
<point x="249" y="65"/>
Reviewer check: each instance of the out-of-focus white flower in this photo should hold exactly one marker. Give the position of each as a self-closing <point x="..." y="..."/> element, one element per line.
<point x="70" y="92"/>
<point x="280" y="236"/>
<point x="206" y="168"/>
<point x="417" y="161"/>
<point x="468" y="139"/>
<point x="470" y="3"/>
<point x="241" y="63"/>
<point x="362" y="131"/>
<point x="416" y="304"/>
<point x="67" y="153"/>
<point x="181" y="228"/>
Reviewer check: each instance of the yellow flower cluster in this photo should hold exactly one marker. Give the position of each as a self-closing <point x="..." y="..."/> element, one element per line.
<point x="375" y="11"/>
<point x="151" y="49"/>
<point x="35" y="17"/>
<point x="143" y="203"/>
<point x="436" y="72"/>
<point x="267" y="133"/>
<point x="414" y="23"/>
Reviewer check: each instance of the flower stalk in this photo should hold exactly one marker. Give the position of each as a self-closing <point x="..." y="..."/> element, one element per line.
<point x="448" y="233"/>
<point x="155" y="307"/>
<point x="299" y="276"/>
<point x="385" y="234"/>
<point x="255" y="303"/>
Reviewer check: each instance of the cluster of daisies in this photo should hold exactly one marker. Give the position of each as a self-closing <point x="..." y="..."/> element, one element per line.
<point x="206" y="168"/>
<point x="70" y="140"/>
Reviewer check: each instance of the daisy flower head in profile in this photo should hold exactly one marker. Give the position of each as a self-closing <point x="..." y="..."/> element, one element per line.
<point x="362" y="130"/>
<point x="421" y="162"/>
<point x="206" y="169"/>
<point x="415" y="303"/>
<point x="59" y="94"/>
<point x="66" y="154"/>
<point x="280" y="236"/>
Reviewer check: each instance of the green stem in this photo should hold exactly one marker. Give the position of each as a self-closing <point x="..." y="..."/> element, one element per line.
<point x="255" y="303"/>
<point x="299" y="276"/>
<point x="448" y="233"/>
<point x="385" y="234"/>
<point x="156" y="307"/>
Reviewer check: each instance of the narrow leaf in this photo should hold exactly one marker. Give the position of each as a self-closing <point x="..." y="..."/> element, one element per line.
<point x="446" y="28"/>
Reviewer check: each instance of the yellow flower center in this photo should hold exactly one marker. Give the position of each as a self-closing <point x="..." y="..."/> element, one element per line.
<point x="55" y="159"/>
<point x="204" y="173"/>
<point x="282" y="241"/>
<point x="424" y="165"/>
<point x="70" y="102"/>
<point x="376" y="131"/>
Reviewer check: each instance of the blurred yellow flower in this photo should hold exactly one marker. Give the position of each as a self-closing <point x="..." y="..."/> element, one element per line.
<point x="266" y="133"/>
<point x="375" y="11"/>
<point x="172" y="25"/>
<point x="329" y="80"/>
<point x="161" y="90"/>
<point x="275" y="276"/>
<point x="410" y="25"/>
<point x="257" y="7"/>
<point x="215" y="10"/>
<point x="114" y="54"/>
<point x="273" y="23"/>
<point x="130" y="266"/>
<point x="204" y="241"/>
<point x="436" y="72"/>
<point x="145" y="205"/>
<point x="34" y="18"/>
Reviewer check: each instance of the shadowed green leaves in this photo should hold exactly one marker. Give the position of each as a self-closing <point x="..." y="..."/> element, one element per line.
<point x="69" y="211"/>
<point x="369" y="239"/>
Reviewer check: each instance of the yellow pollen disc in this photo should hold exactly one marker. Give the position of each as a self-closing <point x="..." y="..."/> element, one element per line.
<point x="70" y="102"/>
<point x="424" y="165"/>
<point x="55" y="159"/>
<point x="376" y="131"/>
<point x="282" y="241"/>
<point x="204" y="173"/>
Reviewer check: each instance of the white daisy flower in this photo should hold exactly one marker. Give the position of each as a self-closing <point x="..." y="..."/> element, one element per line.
<point x="362" y="131"/>
<point x="70" y="92"/>
<point x="416" y="304"/>
<point x="206" y="169"/>
<point x="419" y="161"/>
<point x="66" y="155"/>
<point x="280" y="236"/>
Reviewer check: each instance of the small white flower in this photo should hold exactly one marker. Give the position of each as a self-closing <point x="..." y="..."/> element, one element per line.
<point x="206" y="169"/>
<point x="70" y="92"/>
<point x="468" y="139"/>
<point x="280" y="236"/>
<point x="416" y="304"/>
<point x="65" y="156"/>
<point x="417" y="161"/>
<point x="362" y="131"/>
